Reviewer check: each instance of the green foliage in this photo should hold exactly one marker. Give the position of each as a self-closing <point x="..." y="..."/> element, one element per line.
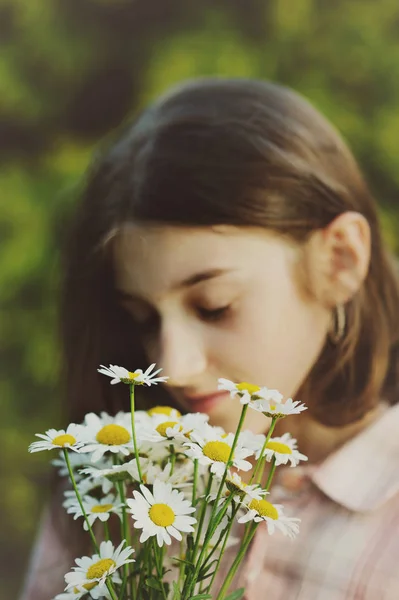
<point x="72" y="70"/>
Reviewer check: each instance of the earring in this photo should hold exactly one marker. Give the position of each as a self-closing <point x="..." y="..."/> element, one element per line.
<point x="337" y="330"/>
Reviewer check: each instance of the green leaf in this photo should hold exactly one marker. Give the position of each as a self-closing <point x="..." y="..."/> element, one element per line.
<point x="182" y="560"/>
<point x="201" y="597"/>
<point x="236" y="595"/>
<point x="205" y="568"/>
<point x="153" y="583"/>
<point x="205" y="575"/>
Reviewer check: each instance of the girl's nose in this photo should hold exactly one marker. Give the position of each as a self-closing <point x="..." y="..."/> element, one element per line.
<point x="182" y="354"/>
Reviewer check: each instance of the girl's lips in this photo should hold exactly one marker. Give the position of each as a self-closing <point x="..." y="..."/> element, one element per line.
<point x="206" y="402"/>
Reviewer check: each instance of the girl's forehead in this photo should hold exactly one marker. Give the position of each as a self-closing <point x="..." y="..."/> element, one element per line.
<point x="151" y="259"/>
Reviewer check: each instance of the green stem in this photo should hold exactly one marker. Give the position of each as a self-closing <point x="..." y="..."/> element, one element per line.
<point x="136" y="452"/>
<point x="106" y="531"/>
<point x="111" y="590"/>
<point x="195" y="479"/>
<point x="271" y="473"/>
<point x="236" y="563"/>
<point x="172" y="458"/>
<point x="202" y="517"/>
<point x="126" y="536"/>
<point x="75" y="487"/>
<point x="209" y="533"/>
<point x="226" y="534"/>
<point x="268" y="436"/>
<point x="231" y="455"/>
<point x="181" y="564"/>
<point x="145" y="565"/>
<point x="159" y="567"/>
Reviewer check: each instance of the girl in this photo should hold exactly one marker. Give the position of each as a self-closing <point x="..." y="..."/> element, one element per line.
<point x="229" y="233"/>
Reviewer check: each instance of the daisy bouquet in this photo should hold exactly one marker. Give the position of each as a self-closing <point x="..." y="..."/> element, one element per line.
<point x="175" y="487"/>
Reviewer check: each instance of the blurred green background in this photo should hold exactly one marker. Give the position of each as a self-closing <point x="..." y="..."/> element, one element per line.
<point x="72" y="70"/>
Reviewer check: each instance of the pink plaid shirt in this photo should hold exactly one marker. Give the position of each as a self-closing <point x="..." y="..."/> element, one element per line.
<point x="348" y="545"/>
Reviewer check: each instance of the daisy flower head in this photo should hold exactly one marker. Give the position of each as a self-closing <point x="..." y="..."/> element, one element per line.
<point x="238" y="487"/>
<point x="214" y="450"/>
<point x="284" y="450"/>
<point x="271" y="408"/>
<point x="70" y="439"/>
<point x="95" y="509"/>
<point x="273" y="515"/>
<point x="161" y="428"/>
<point x="252" y="441"/>
<point x="164" y="428"/>
<point x="137" y="377"/>
<point x="245" y="391"/>
<point x="113" y="473"/>
<point x="91" y="573"/>
<point x="164" y="513"/>
<point x="107" y="434"/>
<point x="77" y="461"/>
<point x="86" y="486"/>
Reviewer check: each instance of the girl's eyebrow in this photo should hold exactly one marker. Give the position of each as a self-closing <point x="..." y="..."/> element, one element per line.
<point x="185" y="283"/>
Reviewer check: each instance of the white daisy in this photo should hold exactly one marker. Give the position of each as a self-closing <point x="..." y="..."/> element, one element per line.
<point x="160" y="428"/>
<point x="163" y="513"/>
<point x="114" y="473"/>
<point x="180" y="478"/>
<point x="137" y="377"/>
<point x="238" y="487"/>
<point x="246" y="392"/>
<point x="273" y="515"/>
<point x="270" y="408"/>
<point x="284" y="449"/>
<point x="107" y="434"/>
<point x="71" y="438"/>
<point x="76" y="460"/>
<point x="214" y="450"/>
<point x="252" y="441"/>
<point x="95" y="509"/>
<point x="85" y="487"/>
<point x="91" y="572"/>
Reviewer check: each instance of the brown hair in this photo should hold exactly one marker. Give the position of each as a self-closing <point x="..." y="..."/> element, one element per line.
<point x="226" y="151"/>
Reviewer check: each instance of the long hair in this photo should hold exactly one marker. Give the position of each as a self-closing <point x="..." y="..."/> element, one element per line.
<point x="225" y="151"/>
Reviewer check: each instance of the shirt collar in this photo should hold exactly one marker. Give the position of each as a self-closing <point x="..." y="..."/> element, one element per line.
<point x="364" y="473"/>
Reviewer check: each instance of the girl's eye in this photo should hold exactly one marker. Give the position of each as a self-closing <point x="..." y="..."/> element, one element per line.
<point x="215" y="314"/>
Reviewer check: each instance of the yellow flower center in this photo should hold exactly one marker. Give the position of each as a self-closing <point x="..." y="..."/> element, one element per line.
<point x="161" y="514"/>
<point x="219" y="451"/>
<point x="87" y="586"/>
<point x="113" y="435"/>
<point x="98" y="569"/>
<point x="163" y="410"/>
<point x="279" y="447"/>
<point x="133" y="375"/>
<point x="164" y="426"/>
<point x="101" y="508"/>
<point x="264" y="508"/>
<point x="247" y="387"/>
<point x="64" y="439"/>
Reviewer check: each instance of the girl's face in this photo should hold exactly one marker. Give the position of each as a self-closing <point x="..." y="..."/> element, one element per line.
<point x="220" y="302"/>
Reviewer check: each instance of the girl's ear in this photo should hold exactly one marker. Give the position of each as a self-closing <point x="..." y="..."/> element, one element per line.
<point x="338" y="257"/>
